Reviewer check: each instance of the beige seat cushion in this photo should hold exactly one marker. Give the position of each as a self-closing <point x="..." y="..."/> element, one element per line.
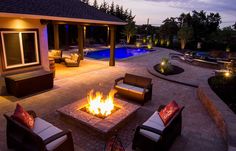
<point x="130" y="88"/>
<point x="153" y="136"/>
<point x="137" y="89"/>
<point x="155" y="122"/>
<point x="40" y="125"/>
<point x="52" y="130"/>
<point x="124" y="86"/>
<point x="67" y="60"/>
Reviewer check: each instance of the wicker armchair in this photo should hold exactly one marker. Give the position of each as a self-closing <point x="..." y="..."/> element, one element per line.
<point x="152" y="136"/>
<point x="73" y="61"/>
<point x="43" y="137"/>
<point x="56" y="55"/>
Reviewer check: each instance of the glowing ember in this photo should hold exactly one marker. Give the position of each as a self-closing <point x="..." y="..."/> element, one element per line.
<point x="99" y="105"/>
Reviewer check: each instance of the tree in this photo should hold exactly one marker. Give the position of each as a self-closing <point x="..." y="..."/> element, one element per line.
<point x="112" y="9"/>
<point x="130" y="28"/>
<point x="184" y="19"/>
<point x="104" y="7"/>
<point x="226" y="35"/>
<point x="185" y="34"/>
<point x="129" y="31"/>
<point x="234" y="25"/>
<point x="85" y="1"/>
<point x="203" y="25"/>
<point x="169" y="29"/>
<point x="121" y="13"/>
<point x="213" y="21"/>
<point x="117" y="11"/>
<point x="95" y="4"/>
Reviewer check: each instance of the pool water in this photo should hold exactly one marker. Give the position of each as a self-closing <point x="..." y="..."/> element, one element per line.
<point x="120" y="53"/>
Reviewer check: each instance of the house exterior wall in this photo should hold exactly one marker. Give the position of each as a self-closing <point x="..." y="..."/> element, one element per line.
<point x="21" y="23"/>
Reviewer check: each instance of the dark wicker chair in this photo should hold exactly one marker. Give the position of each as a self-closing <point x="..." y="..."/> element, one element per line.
<point x="135" y="87"/>
<point x="21" y="138"/>
<point x="158" y="139"/>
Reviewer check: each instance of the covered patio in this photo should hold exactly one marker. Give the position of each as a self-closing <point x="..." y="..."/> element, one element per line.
<point x="29" y="19"/>
<point x="86" y="66"/>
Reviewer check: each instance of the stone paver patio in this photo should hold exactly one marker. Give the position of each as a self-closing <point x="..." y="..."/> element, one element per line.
<point x="199" y="131"/>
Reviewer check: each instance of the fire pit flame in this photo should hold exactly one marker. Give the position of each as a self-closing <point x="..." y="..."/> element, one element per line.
<point x="100" y="105"/>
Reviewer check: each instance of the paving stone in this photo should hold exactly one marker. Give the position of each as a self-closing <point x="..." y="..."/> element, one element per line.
<point x="199" y="131"/>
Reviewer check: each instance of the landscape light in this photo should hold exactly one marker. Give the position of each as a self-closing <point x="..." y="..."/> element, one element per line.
<point x="227" y="74"/>
<point x="162" y="63"/>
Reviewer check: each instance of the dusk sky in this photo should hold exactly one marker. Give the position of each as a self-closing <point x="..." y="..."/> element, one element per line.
<point x="158" y="10"/>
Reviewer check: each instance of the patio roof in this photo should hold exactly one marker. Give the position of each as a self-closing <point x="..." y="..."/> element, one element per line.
<point x="58" y="10"/>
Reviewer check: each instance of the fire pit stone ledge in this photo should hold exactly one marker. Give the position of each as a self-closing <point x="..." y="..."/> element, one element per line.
<point x="105" y="125"/>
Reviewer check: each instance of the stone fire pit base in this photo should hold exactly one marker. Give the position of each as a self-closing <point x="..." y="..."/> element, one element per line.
<point x="102" y="125"/>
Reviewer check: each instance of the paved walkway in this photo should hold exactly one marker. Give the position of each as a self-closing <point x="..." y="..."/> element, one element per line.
<point x="199" y="132"/>
<point x="192" y="75"/>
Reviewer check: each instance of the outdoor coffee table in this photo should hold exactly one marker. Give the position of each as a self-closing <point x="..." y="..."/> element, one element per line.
<point x="106" y="125"/>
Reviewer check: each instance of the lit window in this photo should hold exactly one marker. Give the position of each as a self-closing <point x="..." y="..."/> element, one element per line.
<point x="20" y="48"/>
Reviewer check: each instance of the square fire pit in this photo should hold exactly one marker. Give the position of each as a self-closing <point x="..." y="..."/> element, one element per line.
<point x="104" y="125"/>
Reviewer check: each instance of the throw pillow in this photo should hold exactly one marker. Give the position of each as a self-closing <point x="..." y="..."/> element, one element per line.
<point x="23" y="117"/>
<point x="168" y="112"/>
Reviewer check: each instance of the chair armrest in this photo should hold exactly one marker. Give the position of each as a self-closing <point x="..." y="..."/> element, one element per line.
<point x="148" y="87"/>
<point x="56" y="136"/>
<point x="147" y="128"/>
<point x="32" y="113"/>
<point x="119" y="79"/>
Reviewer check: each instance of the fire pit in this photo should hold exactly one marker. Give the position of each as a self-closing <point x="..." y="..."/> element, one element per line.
<point x="100" y="107"/>
<point x="104" y="114"/>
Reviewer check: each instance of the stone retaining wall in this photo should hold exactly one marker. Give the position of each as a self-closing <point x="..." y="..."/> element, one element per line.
<point x="224" y="118"/>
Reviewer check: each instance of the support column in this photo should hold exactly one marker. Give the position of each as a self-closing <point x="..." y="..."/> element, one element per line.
<point x="56" y="36"/>
<point x="67" y="36"/>
<point x="81" y="41"/>
<point x="108" y="36"/>
<point x="84" y="27"/>
<point x="112" y="45"/>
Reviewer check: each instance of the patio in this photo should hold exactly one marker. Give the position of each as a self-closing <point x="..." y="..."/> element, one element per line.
<point x="199" y="130"/>
<point x="86" y="65"/>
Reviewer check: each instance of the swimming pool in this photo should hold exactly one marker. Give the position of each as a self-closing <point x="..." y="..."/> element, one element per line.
<point x="120" y="53"/>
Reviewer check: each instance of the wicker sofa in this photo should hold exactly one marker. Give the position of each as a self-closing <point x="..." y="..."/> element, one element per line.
<point x="73" y="61"/>
<point x="135" y="87"/>
<point x="153" y="135"/>
<point x="56" y="55"/>
<point x="43" y="137"/>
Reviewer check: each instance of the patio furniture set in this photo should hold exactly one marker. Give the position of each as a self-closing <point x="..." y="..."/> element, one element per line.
<point x="26" y="131"/>
<point x="72" y="61"/>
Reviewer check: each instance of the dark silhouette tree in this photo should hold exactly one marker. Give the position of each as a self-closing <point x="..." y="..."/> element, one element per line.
<point x="104" y="7"/>
<point x="169" y="28"/>
<point x="234" y="25"/>
<point x="112" y="9"/>
<point x="95" y="4"/>
<point x="85" y="1"/>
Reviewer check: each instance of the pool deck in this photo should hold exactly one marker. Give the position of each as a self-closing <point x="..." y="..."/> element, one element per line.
<point x="199" y="131"/>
